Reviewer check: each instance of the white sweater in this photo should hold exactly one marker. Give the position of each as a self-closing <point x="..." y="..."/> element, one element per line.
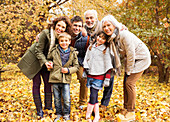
<point x="97" y="62"/>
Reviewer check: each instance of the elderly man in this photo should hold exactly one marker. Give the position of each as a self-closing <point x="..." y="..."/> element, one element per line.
<point x="81" y="43"/>
<point x="93" y="26"/>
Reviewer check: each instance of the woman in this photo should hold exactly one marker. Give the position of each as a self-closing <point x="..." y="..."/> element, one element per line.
<point x="46" y="40"/>
<point x="34" y="63"/>
<point x="137" y="57"/>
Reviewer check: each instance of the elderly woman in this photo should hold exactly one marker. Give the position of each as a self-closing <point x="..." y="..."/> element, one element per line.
<point x="137" y="59"/>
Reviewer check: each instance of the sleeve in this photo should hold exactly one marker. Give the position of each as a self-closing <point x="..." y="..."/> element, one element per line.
<point x="40" y="47"/>
<point x="50" y="54"/>
<point x="108" y="74"/>
<point x="130" y="52"/>
<point x="86" y="58"/>
<point x="75" y="66"/>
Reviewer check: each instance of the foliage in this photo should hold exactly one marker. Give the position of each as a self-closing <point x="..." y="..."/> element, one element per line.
<point x="150" y="22"/>
<point x="16" y="101"/>
<point x="19" y="25"/>
<point x="21" y="21"/>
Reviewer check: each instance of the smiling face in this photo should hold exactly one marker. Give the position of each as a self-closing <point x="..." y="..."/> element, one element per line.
<point x="77" y="27"/>
<point x="64" y="42"/>
<point x="101" y="39"/>
<point x="60" y="27"/>
<point x="108" y="28"/>
<point x="90" y="19"/>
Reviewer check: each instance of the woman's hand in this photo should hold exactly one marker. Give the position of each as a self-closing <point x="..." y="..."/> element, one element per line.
<point x="49" y="65"/>
<point x="37" y="37"/>
<point x="64" y="70"/>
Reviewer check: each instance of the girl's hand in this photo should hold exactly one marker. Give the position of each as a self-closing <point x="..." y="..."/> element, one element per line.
<point x="64" y="70"/>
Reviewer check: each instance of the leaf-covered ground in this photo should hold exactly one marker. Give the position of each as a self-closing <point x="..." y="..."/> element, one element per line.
<point x="16" y="101"/>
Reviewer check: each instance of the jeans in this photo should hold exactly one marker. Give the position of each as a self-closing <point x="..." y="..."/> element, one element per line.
<point x="107" y="93"/>
<point x="95" y="83"/>
<point x="64" y="90"/>
<point x="47" y="89"/>
<point x="37" y="82"/>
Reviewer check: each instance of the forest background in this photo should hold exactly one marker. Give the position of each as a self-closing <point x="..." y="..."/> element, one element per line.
<point x="21" y="21"/>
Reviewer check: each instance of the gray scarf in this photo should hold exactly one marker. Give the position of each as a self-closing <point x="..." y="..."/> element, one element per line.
<point x="114" y="51"/>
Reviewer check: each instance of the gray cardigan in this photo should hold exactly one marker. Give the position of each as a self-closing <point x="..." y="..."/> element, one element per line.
<point x="97" y="62"/>
<point x="136" y="52"/>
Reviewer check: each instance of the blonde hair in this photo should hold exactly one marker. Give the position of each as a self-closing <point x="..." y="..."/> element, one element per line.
<point x="64" y="34"/>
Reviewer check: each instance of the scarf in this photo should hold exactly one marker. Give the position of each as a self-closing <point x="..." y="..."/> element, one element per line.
<point x="53" y="38"/>
<point x="114" y="51"/>
<point x="94" y="30"/>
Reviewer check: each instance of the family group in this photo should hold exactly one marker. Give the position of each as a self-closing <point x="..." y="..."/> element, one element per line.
<point x="92" y="50"/>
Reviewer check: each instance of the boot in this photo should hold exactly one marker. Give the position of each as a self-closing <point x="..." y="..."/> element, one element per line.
<point x="38" y="104"/>
<point x="89" y="111"/>
<point x="48" y="101"/>
<point x="96" y="111"/>
<point x="130" y="116"/>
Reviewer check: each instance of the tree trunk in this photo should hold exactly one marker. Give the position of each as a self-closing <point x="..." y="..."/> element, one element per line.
<point x="163" y="72"/>
<point x="157" y="13"/>
<point x="167" y="74"/>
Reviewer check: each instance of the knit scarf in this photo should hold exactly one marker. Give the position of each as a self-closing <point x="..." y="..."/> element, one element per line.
<point x="53" y="38"/>
<point x="114" y="50"/>
<point x="94" y="30"/>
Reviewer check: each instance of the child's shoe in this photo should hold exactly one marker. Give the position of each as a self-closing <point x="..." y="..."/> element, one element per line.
<point x="66" y="117"/>
<point x="58" y="118"/>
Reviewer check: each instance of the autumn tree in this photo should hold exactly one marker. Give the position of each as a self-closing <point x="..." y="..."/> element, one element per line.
<point x="149" y="20"/>
<point x="20" y="22"/>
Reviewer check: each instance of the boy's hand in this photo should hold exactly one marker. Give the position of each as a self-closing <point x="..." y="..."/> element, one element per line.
<point x="64" y="70"/>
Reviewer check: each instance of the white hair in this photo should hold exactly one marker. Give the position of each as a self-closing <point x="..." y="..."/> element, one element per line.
<point x="112" y="20"/>
<point x="91" y="11"/>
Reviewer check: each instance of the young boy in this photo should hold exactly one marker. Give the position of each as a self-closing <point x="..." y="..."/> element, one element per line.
<point x="65" y="62"/>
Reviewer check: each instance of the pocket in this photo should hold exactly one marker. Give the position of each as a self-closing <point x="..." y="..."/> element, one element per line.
<point x="68" y="77"/>
<point x="29" y="57"/>
<point x="55" y="75"/>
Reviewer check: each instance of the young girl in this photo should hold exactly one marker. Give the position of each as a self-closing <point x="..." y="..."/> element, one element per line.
<point x="98" y="65"/>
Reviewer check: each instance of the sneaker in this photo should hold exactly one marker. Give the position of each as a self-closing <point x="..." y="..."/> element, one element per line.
<point x="58" y="118"/>
<point x="66" y="117"/>
<point x="40" y="113"/>
<point x="81" y="107"/>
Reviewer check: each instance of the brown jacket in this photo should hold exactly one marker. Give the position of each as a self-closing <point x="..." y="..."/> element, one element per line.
<point x="72" y="64"/>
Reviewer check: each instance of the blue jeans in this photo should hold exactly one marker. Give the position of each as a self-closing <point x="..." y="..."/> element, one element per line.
<point x="95" y="83"/>
<point x="64" y="90"/>
<point x="107" y="93"/>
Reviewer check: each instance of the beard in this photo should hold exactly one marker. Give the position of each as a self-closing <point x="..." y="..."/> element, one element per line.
<point x="92" y="25"/>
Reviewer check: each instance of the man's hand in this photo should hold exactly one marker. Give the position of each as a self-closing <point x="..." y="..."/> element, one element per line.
<point x="84" y="32"/>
